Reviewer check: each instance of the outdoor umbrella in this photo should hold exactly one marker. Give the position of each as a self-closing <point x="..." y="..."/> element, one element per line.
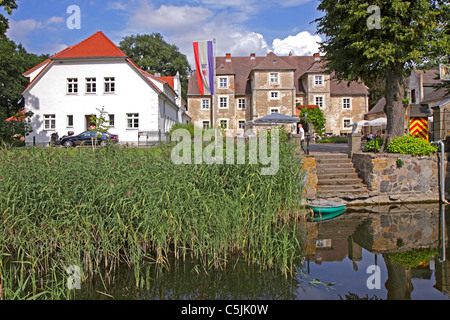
<point x="272" y="119"/>
<point x="378" y="122"/>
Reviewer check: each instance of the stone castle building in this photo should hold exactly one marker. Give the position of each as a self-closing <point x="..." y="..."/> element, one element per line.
<point x="249" y="88"/>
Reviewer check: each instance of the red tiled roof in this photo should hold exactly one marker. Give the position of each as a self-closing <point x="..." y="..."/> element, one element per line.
<point x="169" y="80"/>
<point x="241" y="67"/>
<point x="37" y="66"/>
<point x="97" y="45"/>
<point x="18" y="117"/>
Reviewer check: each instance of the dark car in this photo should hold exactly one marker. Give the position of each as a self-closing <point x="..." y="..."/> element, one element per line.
<point x="87" y="137"/>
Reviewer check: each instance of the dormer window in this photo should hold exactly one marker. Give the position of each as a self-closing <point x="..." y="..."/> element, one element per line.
<point x="318" y="80"/>
<point x="223" y="82"/>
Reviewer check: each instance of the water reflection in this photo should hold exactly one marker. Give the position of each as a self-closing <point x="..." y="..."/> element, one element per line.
<point x="405" y="242"/>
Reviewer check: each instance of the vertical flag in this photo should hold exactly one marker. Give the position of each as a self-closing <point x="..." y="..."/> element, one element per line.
<point x="204" y="62"/>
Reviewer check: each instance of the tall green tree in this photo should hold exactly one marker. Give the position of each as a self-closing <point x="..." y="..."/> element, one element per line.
<point x="369" y="40"/>
<point x="153" y="54"/>
<point x="14" y="61"/>
<point x="8" y="6"/>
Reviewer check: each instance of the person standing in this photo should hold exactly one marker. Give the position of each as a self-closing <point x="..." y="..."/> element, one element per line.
<point x="302" y="137"/>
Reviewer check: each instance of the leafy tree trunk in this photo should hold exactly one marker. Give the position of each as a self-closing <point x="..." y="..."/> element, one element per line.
<point x="394" y="109"/>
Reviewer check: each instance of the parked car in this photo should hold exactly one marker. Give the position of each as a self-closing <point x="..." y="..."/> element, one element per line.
<point x="86" y="137"/>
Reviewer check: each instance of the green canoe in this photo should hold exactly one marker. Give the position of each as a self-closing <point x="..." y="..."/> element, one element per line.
<point x="325" y="209"/>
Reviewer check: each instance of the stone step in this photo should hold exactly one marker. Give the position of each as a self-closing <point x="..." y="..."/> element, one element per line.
<point x="332" y="174"/>
<point x="341" y="188"/>
<point x="332" y="160"/>
<point x="338" y="182"/>
<point x="335" y="165"/>
<point x="332" y="170"/>
<point x="331" y="155"/>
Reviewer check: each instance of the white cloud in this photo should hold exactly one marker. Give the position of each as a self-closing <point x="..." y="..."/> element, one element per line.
<point x="19" y="31"/>
<point x="116" y="5"/>
<point x="304" y="43"/>
<point x="208" y="20"/>
<point x="169" y="18"/>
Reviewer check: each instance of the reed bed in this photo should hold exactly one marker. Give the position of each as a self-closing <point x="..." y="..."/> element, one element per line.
<point x="62" y="207"/>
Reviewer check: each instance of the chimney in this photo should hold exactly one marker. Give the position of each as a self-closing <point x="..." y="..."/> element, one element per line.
<point x="316" y="56"/>
<point x="252" y="56"/>
<point x="228" y="57"/>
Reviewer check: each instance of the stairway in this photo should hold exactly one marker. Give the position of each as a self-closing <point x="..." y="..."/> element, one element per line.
<point x="337" y="177"/>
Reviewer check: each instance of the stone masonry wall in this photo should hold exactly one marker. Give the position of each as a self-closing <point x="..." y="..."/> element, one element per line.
<point x="418" y="177"/>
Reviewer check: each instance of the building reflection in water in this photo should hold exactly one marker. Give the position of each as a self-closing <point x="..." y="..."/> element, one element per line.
<point x="411" y="240"/>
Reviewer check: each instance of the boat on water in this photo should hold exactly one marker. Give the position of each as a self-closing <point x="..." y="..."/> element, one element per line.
<point x="326" y="210"/>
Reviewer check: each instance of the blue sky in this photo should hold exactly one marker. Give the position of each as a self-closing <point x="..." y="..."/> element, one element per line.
<point x="240" y="27"/>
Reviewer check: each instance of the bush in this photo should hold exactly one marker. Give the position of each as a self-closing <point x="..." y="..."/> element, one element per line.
<point x="334" y="139"/>
<point x="412" y="146"/>
<point x="370" y="145"/>
<point x="189" y="127"/>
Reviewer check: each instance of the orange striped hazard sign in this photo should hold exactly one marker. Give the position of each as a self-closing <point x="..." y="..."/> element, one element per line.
<point x="419" y="127"/>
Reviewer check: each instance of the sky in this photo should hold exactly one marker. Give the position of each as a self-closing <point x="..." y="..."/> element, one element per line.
<point x="240" y="27"/>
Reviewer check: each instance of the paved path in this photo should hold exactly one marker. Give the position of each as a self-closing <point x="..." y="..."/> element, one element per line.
<point x="328" y="147"/>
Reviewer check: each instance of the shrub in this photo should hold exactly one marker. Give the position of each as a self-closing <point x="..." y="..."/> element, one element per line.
<point x="411" y="145"/>
<point x="370" y="145"/>
<point x="189" y="127"/>
<point x="334" y="139"/>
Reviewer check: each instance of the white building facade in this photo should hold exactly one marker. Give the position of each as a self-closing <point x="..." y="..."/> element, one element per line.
<point x="65" y="90"/>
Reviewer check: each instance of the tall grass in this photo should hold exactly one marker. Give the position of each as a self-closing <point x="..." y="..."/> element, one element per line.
<point x="61" y="207"/>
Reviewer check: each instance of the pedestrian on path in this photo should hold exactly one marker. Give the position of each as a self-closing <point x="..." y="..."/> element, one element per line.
<point x="302" y="137"/>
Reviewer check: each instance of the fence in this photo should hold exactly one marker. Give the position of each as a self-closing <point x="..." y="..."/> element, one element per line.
<point x="148" y="138"/>
<point x="441" y="126"/>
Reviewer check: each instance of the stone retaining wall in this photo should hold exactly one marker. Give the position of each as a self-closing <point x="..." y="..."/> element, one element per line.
<point x="310" y="178"/>
<point x="416" y="179"/>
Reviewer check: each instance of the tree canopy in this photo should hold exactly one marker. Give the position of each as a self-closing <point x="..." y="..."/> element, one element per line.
<point x="8" y="6"/>
<point x="14" y="61"/>
<point x="383" y="39"/>
<point x="153" y="54"/>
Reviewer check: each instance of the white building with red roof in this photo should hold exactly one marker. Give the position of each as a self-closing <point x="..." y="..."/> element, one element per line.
<point x="66" y="89"/>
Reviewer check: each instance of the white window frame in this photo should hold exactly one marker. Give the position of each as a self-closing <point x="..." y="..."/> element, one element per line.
<point x="349" y="122"/>
<point x="49" y="122"/>
<point x="219" y="99"/>
<point x="204" y="122"/>
<point x="223" y="82"/>
<point x="349" y="103"/>
<point x="271" y="110"/>
<point x="220" y="124"/>
<point x="68" y="118"/>
<point x="274" y="78"/>
<point x="272" y="93"/>
<point x="323" y="101"/>
<point x="318" y="80"/>
<point x="109" y="85"/>
<point x="203" y="104"/>
<point x="91" y="85"/>
<point x="134" y="117"/>
<point x="72" y="86"/>
<point x="238" y="124"/>
<point x="241" y="106"/>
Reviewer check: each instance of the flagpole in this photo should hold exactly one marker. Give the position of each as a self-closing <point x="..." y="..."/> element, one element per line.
<point x="213" y="98"/>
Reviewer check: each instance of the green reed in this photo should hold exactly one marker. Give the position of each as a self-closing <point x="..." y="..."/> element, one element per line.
<point x="61" y="207"/>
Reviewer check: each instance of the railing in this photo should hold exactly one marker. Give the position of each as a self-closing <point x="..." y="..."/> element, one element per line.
<point x="148" y="138"/>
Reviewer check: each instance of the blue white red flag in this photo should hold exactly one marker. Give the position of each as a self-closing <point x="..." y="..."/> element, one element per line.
<point x="204" y="62"/>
